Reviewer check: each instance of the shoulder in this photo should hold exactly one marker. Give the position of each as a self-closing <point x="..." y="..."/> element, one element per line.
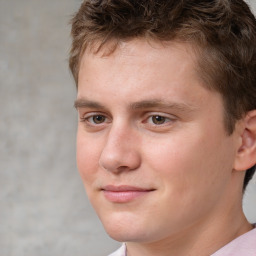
<point x="120" y="252"/>
<point x="243" y="245"/>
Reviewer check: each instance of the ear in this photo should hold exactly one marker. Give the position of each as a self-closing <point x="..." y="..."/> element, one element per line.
<point x="246" y="154"/>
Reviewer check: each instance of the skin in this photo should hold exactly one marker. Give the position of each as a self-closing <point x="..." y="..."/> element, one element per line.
<point x="146" y="120"/>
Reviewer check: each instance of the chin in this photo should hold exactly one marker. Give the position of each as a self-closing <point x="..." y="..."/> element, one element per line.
<point x="124" y="227"/>
<point x="128" y="234"/>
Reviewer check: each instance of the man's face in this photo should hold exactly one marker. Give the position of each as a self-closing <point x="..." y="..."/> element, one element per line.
<point x="152" y="149"/>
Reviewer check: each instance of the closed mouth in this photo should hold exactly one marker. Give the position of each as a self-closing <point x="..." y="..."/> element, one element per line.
<point x="124" y="193"/>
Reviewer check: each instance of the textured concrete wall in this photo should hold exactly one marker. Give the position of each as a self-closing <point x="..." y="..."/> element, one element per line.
<point x="43" y="206"/>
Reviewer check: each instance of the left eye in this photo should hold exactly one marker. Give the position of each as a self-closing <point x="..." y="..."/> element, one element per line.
<point x="158" y="120"/>
<point x="97" y="119"/>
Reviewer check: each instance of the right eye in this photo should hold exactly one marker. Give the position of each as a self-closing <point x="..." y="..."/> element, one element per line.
<point x="97" y="119"/>
<point x="94" y="119"/>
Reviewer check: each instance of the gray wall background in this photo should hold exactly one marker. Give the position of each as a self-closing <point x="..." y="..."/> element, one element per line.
<point x="43" y="206"/>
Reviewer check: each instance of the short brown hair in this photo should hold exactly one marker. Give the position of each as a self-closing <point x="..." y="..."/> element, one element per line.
<point x="223" y="31"/>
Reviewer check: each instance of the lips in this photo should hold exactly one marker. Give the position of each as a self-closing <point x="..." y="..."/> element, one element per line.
<point x="124" y="193"/>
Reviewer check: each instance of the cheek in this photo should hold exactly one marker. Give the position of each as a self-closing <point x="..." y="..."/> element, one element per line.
<point x="87" y="158"/>
<point x="171" y="156"/>
<point x="191" y="179"/>
<point x="188" y="162"/>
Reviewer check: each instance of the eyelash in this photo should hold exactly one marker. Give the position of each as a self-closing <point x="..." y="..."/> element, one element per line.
<point x="86" y="119"/>
<point x="163" y="120"/>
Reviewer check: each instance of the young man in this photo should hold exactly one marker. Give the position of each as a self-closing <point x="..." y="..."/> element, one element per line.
<point x="166" y="142"/>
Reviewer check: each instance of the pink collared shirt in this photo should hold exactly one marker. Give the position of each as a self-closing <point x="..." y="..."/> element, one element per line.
<point x="244" y="245"/>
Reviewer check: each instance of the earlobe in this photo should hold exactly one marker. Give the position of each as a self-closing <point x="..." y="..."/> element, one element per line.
<point x="246" y="154"/>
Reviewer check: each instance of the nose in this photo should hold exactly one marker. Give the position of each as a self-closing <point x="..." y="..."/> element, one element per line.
<point x="120" y="152"/>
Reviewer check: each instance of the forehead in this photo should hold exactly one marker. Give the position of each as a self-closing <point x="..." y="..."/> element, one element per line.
<point x="138" y="47"/>
<point x="156" y="55"/>
<point x="139" y="65"/>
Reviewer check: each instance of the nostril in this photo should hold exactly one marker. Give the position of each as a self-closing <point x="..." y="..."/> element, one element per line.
<point x="123" y="168"/>
<point x="115" y="168"/>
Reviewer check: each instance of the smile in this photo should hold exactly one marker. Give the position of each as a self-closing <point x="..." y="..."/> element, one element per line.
<point x="124" y="194"/>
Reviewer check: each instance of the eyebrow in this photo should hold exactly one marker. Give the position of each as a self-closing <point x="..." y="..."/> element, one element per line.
<point x="84" y="103"/>
<point x="161" y="104"/>
<point x="144" y="104"/>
